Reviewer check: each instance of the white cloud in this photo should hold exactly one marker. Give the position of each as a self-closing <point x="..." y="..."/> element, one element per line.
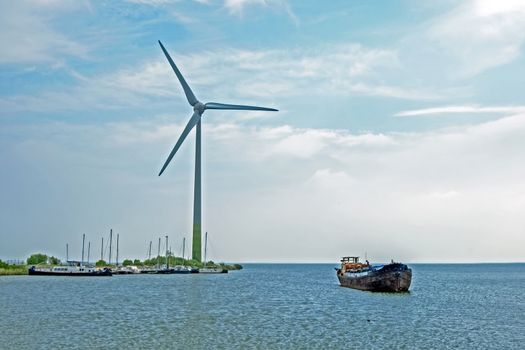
<point x="443" y="195"/>
<point x="153" y="2"/>
<point x="462" y="109"/>
<point x="448" y="195"/>
<point x="232" y="74"/>
<point x="480" y="34"/>
<point x="27" y="34"/>
<point x="237" y="7"/>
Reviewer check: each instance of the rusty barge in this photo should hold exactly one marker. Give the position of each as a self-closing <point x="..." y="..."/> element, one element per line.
<point x="393" y="277"/>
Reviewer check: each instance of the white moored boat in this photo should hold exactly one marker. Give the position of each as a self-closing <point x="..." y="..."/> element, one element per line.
<point x="210" y="269"/>
<point x="73" y="269"/>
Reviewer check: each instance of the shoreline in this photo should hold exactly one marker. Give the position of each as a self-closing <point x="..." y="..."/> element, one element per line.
<point x="22" y="270"/>
<point x="17" y="271"/>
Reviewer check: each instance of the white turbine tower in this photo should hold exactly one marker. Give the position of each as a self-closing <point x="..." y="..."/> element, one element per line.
<point x="195" y="120"/>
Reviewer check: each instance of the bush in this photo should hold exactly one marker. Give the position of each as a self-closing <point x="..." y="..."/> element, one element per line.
<point x="3" y="265"/>
<point x="194" y="263"/>
<point x="101" y="263"/>
<point x="127" y="262"/>
<point x="137" y="262"/>
<point x="54" y="261"/>
<point x="36" y="259"/>
<point x="13" y="270"/>
<point x="155" y="260"/>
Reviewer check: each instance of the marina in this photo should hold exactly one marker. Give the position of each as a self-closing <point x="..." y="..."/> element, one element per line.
<point x="92" y="271"/>
<point x="42" y="265"/>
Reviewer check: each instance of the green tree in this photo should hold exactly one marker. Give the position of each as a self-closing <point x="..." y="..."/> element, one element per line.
<point x="101" y="263"/>
<point x="36" y="259"/>
<point x="194" y="263"/>
<point x="137" y="262"/>
<point x="3" y="265"/>
<point x="127" y="262"/>
<point x="54" y="261"/>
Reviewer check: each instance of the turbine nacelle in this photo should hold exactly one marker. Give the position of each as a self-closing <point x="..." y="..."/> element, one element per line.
<point x="199" y="108"/>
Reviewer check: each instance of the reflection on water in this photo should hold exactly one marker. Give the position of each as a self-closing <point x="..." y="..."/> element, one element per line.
<point x="266" y="306"/>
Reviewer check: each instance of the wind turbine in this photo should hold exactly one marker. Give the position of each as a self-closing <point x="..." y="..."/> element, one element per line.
<point x="198" y="109"/>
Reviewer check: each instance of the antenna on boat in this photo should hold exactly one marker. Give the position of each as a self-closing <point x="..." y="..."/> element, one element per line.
<point x="158" y="256"/>
<point x="117" y="248"/>
<point x="89" y="251"/>
<point x="102" y="249"/>
<point x="67" y="252"/>
<point x="83" y="239"/>
<point x="110" y="242"/>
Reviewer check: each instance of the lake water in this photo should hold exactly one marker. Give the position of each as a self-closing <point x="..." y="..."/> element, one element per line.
<point x="266" y="306"/>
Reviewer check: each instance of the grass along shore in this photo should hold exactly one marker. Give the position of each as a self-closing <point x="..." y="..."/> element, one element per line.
<point x="14" y="270"/>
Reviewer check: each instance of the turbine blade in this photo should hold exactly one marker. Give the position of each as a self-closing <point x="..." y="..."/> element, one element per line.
<point x="192" y="100"/>
<point x="191" y="123"/>
<point x="214" y="105"/>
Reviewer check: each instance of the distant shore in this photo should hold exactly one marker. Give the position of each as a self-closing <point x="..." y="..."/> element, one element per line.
<point x="42" y="260"/>
<point x="20" y="270"/>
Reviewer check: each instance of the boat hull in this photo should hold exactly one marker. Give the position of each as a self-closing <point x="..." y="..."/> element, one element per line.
<point x="34" y="272"/>
<point x="212" y="271"/>
<point x="166" y="271"/>
<point x="148" y="271"/>
<point x="393" y="278"/>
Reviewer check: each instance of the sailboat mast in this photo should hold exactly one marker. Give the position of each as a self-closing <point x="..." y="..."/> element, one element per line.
<point x="149" y="254"/>
<point x="67" y="252"/>
<point x="183" y="247"/>
<point x="110" y="242"/>
<point x="83" y="239"/>
<point x="167" y="261"/>
<point x="117" y="247"/>
<point x="102" y="249"/>
<point x="89" y="251"/>
<point x="158" y="256"/>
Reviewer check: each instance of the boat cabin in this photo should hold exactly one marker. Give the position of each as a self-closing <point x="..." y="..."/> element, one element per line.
<point x="351" y="263"/>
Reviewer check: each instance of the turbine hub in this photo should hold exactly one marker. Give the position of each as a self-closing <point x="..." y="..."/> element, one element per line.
<point x="199" y="107"/>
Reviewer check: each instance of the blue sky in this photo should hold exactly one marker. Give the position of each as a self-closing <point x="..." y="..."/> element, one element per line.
<point x="400" y="131"/>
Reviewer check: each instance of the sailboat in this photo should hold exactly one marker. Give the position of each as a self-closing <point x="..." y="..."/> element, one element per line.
<point x="182" y="269"/>
<point x="73" y="268"/>
<point x="166" y="269"/>
<point x="207" y="269"/>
